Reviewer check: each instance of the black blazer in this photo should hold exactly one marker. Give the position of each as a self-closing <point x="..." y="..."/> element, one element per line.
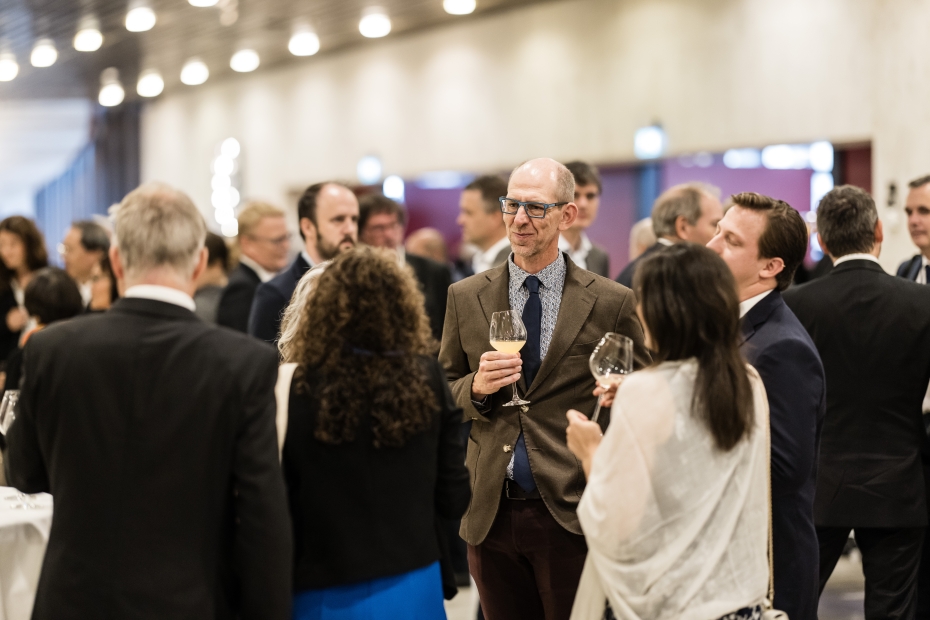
<point x="236" y="300"/>
<point x="271" y="298"/>
<point x="435" y="280"/>
<point x="873" y="334"/>
<point x="155" y="433"/>
<point x="776" y="344"/>
<point x="910" y="268"/>
<point x="9" y="340"/>
<point x="362" y="513"/>
<point x="626" y="276"/>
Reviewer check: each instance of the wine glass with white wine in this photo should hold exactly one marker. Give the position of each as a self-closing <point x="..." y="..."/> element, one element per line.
<point x="611" y="360"/>
<point x="508" y="335"/>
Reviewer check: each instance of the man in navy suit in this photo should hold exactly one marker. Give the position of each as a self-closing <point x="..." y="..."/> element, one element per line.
<point x="917" y="268"/>
<point x="763" y="241"/>
<point x="328" y="214"/>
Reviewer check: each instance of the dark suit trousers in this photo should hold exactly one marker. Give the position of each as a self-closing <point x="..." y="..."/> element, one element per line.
<point x="890" y="560"/>
<point x="529" y="566"/>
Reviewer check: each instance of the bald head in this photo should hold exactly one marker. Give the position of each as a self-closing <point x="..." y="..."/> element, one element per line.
<point x="548" y="173"/>
<point x="428" y="242"/>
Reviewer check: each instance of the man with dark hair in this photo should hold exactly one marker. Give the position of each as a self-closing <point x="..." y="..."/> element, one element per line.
<point x="686" y="212"/>
<point x="917" y="207"/>
<point x="381" y="224"/>
<point x="328" y="217"/>
<point x="873" y="334"/>
<point x="574" y="241"/>
<point x="762" y="241"/>
<point x="84" y="246"/>
<point x="482" y="223"/>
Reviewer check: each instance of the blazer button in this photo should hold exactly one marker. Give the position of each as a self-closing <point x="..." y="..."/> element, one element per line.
<point x="508" y="448"/>
<point x="524" y="408"/>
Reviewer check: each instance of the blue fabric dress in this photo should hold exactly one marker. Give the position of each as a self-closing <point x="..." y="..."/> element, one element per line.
<point x="417" y="594"/>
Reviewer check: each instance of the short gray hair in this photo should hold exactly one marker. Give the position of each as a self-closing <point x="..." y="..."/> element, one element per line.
<point x="680" y="200"/>
<point x="846" y="220"/>
<point x="158" y="226"/>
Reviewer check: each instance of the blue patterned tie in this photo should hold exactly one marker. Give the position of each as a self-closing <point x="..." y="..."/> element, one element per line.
<point x="532" y="319"/>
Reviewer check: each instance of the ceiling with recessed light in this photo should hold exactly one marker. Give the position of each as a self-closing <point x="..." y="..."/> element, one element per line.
<point x="183" y="33"/>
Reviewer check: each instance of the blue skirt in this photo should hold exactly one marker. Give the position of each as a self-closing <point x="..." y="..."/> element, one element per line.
<point x="417" y="594"/>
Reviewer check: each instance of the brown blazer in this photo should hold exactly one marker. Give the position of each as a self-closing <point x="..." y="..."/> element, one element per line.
<point x="591" y="306"/>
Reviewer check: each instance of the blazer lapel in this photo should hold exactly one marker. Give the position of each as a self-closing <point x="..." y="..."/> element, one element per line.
<point x="915" y="268"/>
<point x="495" y="297"/>
<point x="577" y="303"/>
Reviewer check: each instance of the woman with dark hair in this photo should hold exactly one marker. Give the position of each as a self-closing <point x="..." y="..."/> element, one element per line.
<point x="104" y="290"/>
<point x="22" y="253"/>
<point x="676" y="508"/>
<point x="371" y="454"/>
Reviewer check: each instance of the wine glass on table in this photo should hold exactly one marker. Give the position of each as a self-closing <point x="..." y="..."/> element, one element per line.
<point x="611" y="360"/>
<point x="508" y="335"/>
<point x="8" y="409"/>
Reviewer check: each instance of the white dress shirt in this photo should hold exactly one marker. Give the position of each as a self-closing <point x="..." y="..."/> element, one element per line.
<point x="579" y="256"/>
<point x="166" y="294"/>
<point x="746" y="306"/>
<point x="482" y="261"/>
<point x="263" y="274"/>
<point x="922" y="273"/>
<point x="858" y="256"/>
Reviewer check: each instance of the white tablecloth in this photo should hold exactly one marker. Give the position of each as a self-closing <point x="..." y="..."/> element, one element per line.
<point x="23" y="536"/>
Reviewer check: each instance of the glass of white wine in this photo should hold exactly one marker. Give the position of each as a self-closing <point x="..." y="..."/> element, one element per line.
<point x="611" y="360"/>
<point x="508" y="335"/>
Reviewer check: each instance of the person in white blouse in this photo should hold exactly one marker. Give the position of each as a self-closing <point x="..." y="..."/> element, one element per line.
<point x="676" y="509"/>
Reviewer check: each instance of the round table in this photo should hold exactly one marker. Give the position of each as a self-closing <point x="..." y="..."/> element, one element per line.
<point x="24" y="529"/>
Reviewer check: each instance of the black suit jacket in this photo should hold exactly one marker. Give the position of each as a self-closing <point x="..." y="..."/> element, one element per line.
<point x="776" y="344"/>
<point x="626" y="276"/>
<point x="873" y="334"/>
<point x="434" y="280"/>
<point x="272" y="297"/>
<point x="155" y="433"/>
<point x="236" y="300"/>
<point x="9" y="340"/>
<point x="362" y="512"/>
<point x="910" y="268"/>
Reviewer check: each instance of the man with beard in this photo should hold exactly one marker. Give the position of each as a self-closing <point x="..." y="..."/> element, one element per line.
<point x="328" y="214"/>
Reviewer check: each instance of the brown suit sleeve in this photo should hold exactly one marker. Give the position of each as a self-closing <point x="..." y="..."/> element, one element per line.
<point x="454" y="361"/>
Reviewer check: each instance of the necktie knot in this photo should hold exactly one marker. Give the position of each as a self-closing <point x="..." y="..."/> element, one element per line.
<point x="532" y="284"/>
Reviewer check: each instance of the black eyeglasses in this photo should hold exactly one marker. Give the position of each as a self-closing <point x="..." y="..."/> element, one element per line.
<point x="536" y="210"/>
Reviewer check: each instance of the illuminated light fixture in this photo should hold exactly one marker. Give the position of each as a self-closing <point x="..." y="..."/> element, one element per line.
<point x="443" y="179"/>
<point x="821" y="156"/>
<point x="9" y="68"/>
<point x="230" y="229"/>
<point x="821" y="183"/>
<point x="220" y="181"/>
<point x="230" y="148"/>
<point x="649" y="142"/>
<point x="244" y="61"/>
<point x="111" y="91"/>
<point x="140" y="19"/>
<point x="150" y="84"/>
<point x="88" y="37"/>
<point x="393" y="188"/>
<point x="459" y="7"/>
<point x="786" y="157"/>
<point x="203" y="3"/>
<point x="304" y="42"/>
<point x="742" y="158"/>
<point x="368" y="170"/>
<point x="374" y="23"/>
<point x="44" y="53"/>
<point x="194" y="72"/>
<point x="224" y="166"/>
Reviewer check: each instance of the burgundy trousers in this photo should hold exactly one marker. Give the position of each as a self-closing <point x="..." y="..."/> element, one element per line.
<point x="529" y="566"/>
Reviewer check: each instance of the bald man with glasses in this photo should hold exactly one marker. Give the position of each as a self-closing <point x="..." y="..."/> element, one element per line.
<point x="525" y="545"/>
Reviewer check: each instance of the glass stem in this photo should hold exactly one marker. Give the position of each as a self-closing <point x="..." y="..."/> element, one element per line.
<point x="516" y="396"/>
<point x="597" y="410"/>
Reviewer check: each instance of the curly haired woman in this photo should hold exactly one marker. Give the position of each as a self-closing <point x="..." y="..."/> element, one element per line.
<point x="372" y="453"/>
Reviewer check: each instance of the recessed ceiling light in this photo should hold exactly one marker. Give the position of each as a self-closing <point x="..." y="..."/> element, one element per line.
<point x="374" y="23"/>
<point x="44" y="53"/>
<point x="459" y="7"/>
<point x="194" y="72"/>
<point x="9" y="68"/>
<point x="88" y="37"/>
<point x="150" y="84"/>
<point x="304" y="43"/>
<point x="203" y="3"/>
<point x="111" y="90"/>
<point x="244" y="61"/>
<point x="140" y="19"/>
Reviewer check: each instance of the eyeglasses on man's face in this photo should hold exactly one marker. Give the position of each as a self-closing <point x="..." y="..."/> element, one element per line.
<point x="537" y="210"/>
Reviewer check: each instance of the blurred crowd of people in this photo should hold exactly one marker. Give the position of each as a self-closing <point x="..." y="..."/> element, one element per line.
<point x="324" y="430"/>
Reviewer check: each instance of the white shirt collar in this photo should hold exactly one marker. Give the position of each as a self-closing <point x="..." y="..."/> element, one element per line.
<point x="482" y="261"/>
<point x="161" y="293"/>
<point x="746" y="306"/>
<point x="263" y="274"/>
<point x="307" y="258"/>
<point x="665" y="242"/>
<point x="579" y="256"/>
<point x="861" y="256"/>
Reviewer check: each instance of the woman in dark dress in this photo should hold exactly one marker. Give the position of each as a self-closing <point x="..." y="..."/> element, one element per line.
<point x="22" y="253"/>
<point x="372" y="455"/>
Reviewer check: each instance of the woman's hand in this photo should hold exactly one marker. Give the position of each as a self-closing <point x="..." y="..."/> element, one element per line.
<point x="609" y="392"/>
<point x="16" y="319"/>
<point x="584" y="436"/>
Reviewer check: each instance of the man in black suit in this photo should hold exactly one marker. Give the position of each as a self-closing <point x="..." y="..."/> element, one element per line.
<point x="155" y="433"/>
<point x="328" y="215"/>
<point x="687" y="212"/>
<point x="482" y="224"/>
<point x="763" y="241"/>
<point x="264" y="243"/>
<point x="873" y="334"/>
<point x="381" y="224"/>
<point x="917" y="207"/>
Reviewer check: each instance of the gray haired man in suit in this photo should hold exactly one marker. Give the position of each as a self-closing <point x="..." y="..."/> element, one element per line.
<point x="574" y="241"/>
<point x="525" y="546"/>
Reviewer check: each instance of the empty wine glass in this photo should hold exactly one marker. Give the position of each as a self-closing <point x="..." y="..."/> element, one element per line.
<point x="611" y="360"/>
<point x="508" y="335"/>
<point x="8" y="409"/>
